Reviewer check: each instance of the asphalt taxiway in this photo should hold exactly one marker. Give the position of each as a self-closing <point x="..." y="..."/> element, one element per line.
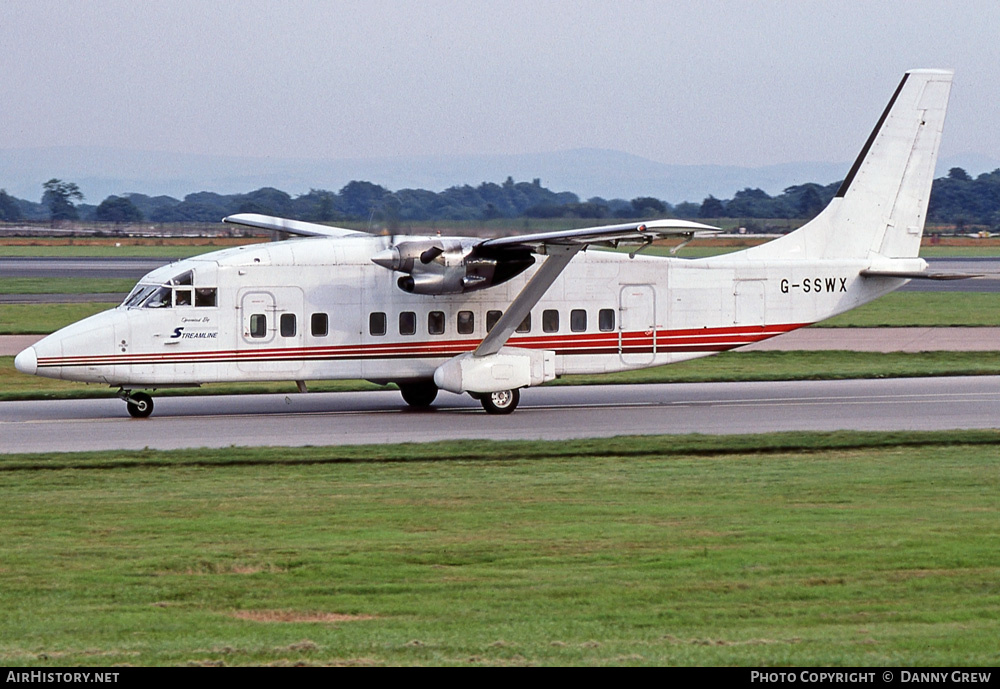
<point x="547" y="413"/>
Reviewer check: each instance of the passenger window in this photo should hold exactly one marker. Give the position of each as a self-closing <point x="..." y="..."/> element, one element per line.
<point x="376" y="323"/>
<point x="578" y="320"/>
<point x="491" y="319"/>
<point x="258" y="325"/>
<point x="287" y="325"/>
<point x="182" y="297"/>
<point x="606" y="320"/>
<point x="525" y="325"/>
<point x="204" y="296"/>
<point x="466" y="322"/>
<point x="435" y="322"/>
<point x="550" y="321"/>
<point x="319" y="325"/>
<point x="407" y="323"/>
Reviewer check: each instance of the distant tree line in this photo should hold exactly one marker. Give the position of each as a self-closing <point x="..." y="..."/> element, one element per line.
<point x="956" y="199"/>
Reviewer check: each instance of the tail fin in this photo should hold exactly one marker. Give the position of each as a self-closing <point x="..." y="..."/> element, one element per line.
<point x="880" y="208"/>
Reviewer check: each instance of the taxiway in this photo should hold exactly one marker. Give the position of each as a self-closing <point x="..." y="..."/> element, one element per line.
<point x="547" y="413"/>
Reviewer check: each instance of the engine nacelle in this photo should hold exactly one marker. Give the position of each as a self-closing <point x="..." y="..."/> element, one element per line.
<point x="508" y="369"/>
<point x="449" y="266"/>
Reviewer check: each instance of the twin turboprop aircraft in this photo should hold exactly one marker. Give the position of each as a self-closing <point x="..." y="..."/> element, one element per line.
<point x="489" y="317"/>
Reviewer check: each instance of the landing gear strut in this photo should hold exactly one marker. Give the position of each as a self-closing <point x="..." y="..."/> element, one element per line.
<point x="502" y="402"/>
<point x="419" y="395"/>
<point x="139" y="404"/>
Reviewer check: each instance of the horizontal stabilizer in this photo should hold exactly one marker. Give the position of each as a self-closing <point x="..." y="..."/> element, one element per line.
<point x="916" y="275"/>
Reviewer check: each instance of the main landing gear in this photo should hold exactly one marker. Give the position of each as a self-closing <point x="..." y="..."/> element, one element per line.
<point x="422" y="394"/>
<point x="502" y="402"/>
<point x="139" y="404"/>
<point x="419" y="395"/>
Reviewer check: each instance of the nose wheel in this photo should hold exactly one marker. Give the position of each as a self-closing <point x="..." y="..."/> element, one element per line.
<point x="139" y="404"/>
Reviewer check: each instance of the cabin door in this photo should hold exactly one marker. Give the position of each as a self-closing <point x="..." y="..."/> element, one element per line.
<point x="637" y="324"/>
<point x="270" y="330"/>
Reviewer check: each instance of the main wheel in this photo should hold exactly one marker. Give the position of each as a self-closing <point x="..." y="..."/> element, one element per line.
<point x="503" y="402"/>
<point x="139" y="405"/>
<point x="419" y="395"/>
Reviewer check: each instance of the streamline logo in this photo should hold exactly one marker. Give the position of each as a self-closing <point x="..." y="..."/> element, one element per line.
<point x="199" y="335"/>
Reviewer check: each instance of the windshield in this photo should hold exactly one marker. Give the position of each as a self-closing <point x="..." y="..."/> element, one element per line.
<point x="138" y="295"/>
<point x="160" y="298"/>
<point x="179" y="291"/>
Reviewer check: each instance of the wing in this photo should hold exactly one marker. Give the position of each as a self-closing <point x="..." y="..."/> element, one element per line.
<point x="305" y="229"/>
<point x="607" y="235"/>
<point x="561" y="247"/>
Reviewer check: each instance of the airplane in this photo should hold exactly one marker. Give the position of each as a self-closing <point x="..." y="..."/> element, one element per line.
<point x="489" y="317"/>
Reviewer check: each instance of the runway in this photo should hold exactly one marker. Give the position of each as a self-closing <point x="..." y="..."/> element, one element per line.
<point x="547" y="413"/>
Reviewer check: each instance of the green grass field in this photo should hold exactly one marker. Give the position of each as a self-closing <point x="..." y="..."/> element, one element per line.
<point x="64" y="285"/>
<point x="42" y="319"/>
<point x="796" y="549"/>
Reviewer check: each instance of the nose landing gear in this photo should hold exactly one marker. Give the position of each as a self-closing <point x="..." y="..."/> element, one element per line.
<point x="139" y="404"/>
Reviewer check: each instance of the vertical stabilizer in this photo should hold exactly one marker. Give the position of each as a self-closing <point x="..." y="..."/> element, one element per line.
<point x="880" y="208"/>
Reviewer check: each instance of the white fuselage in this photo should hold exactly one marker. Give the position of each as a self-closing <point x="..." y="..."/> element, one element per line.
<point x="314" y="309"/>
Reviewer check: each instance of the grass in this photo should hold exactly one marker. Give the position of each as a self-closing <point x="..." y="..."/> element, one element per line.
<point x="844" y="549"/>
<point x="109" y="248"/>
<point x="42" y="319"/>
<point x="923" y="309"/>
<point x="65" y="285"/>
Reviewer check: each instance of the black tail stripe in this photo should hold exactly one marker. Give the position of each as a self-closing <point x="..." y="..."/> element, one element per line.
<point x="871" y="139"/>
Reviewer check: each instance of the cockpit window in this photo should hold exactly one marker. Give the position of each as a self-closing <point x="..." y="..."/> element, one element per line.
<point x="138" y="295"/>
<point x="178" y="291"/>
<point x="158" y="299"/>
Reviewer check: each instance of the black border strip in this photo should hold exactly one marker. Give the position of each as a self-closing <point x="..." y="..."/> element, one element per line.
<point x="871" y="140"/>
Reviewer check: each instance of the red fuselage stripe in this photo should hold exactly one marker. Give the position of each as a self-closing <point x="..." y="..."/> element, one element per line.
<point x="691" y="340"/>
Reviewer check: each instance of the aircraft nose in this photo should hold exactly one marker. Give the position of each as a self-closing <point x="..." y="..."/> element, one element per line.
<point x="27" y="361"/>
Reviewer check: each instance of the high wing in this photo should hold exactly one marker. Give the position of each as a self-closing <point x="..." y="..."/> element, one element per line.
<point x="305" y="229"/>
<point x="608" y="235"/>
<point x="560" y="247"/>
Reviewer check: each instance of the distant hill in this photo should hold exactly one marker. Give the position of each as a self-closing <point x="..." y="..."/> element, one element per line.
<point x="101" y="172"/>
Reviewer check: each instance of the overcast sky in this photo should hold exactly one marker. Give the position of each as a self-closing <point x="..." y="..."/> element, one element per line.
<point x="736" y="82"/>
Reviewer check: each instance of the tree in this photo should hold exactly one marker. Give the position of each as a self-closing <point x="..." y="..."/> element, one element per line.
<point x="9" y="211"/>
<point x="118" y="210"/>
<point x="712" y="208"/>
<point x="361" y="199"/>
<point x="59" y="198"/>
<point x="810" y="202"/>
<point x="959" y="174"/>
<point x="647" y="206"/>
